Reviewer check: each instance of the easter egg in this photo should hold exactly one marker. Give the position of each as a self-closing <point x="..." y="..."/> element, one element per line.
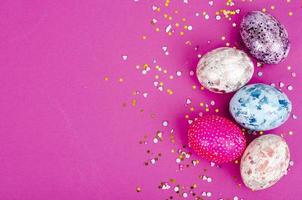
<point x="224" y="70"/>
<point x="264" y="162"/>
<point x="260" y="107"/>
<point x="216" y="139"/>
<point x="265" y="37"/>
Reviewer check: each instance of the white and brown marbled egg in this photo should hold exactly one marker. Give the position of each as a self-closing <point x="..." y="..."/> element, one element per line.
<point x="264" y="162"/>
<point x="224" y="70"/>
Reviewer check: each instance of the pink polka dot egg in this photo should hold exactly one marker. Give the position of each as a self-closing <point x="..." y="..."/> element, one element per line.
<point x="216" y="139"/>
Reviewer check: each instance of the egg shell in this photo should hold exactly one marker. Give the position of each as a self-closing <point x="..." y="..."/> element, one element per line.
<point x="260" y="107"/>
<point x="264" y="162"/>
<point x="216" y="139"/>
<point x="224" y="70"/>
<point x="265" y="37"/>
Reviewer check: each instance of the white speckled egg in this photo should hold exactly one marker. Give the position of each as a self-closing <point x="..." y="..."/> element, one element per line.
<point x="224" y="70"/>
<point x="264" y="162"/>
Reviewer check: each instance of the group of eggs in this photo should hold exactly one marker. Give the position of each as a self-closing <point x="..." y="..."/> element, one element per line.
<point x="258" y="107"/>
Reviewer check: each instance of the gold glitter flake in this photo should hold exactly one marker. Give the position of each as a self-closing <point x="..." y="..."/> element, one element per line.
<point x="133" y="102"/>
<point x="138" y="189"/>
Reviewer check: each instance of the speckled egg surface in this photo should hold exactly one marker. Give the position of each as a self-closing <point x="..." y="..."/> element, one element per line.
<point x="216" y="139"/>
<point x="264" y="162"/>
<point x="224" y="70"/>
<point x="260" y="107"/>
<point x="265" y="37"/>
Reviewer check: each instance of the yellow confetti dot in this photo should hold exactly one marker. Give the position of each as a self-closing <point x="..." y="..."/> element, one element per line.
<point x="177" y="24"/>
<point x="170" y="92"/>
<point x="121" y="80"/>
<point x="165" y="71"/>
<point x="161" y="84"/>
<point x="263" y="9"/>
<point x="236" y="161"/>
<point x="165" y="15"/>
<point x="201" y="104"/>
<point x="207" y="109"/>
<point x="133" y="102"/>
<point x="183" y="19"/>
<point x="261" y="132"/>
<point x="187" y="116"/>
<point x="181" y="33"/>
<point x="272" y="7"/>
<point x="171" y="77"/>
<point x="157" y="30"/>
<point x="216" y="110"/>
<point x="290" y="13"/>
<point x="144" y="37"/>
<point x="192" y="109"/>
<point x="194" y="87"/>
<point x="169" y="33"/>
<point x="170" y="18"/>
<point x="201" y="88"/>
<point x="185" y="27"/>
<point x="106" y="78"/>
<point x="156" y="76"/>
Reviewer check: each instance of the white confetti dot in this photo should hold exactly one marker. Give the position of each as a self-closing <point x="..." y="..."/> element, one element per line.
<point x="281" y="84"/>
<point x="188" y="101"/>
<point x="165" y="123"/>
<point x="190" y="28"/>
<point x="207" y="17"/>
<point x="168" y="28"/>
<point x="218" y="17"/>
<point x="185" y="195"/>
<point x="209" y="179"/>
<point x="152" y="161"/>
<point x="176" y="189"/>
<point x="235" y="198"/>
<point x="145" y="94"/>
<point x="212" y="102"/>
<point x="260" y="74"/>
<point x="211" y="3"/>
<point x="124" y="57"/>
<point x="178" y="160"/>
<point x="192" y="73"/>
<point x="209" y="194"/>
<point x="291" y="163"/>
<point x="290" y="87"/>
<point x="155" y="140"/>
<point x="295" y="116"/>
<point x="178" y="73"/>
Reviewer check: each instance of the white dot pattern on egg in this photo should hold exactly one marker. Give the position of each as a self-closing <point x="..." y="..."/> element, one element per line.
<point x="216" y="139"/>
<point x="224" y="70"/>
<point x="264" y="162"/>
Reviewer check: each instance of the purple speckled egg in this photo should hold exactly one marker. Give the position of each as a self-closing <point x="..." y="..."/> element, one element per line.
<point x="265" y="37"/>
<point x="216" y="139"/>
<point x="264" y="162"/>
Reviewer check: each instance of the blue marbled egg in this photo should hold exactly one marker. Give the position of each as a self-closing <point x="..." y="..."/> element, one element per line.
<point x="260" y="107"/>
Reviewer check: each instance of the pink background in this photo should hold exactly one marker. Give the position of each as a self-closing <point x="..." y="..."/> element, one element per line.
<point x="66" y="132"/>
